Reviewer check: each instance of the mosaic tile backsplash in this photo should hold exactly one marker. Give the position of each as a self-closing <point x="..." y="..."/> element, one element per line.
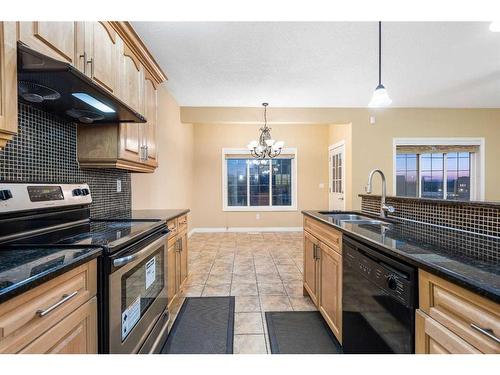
<point x="44" y="150"/>
<point x="480" y="218"/>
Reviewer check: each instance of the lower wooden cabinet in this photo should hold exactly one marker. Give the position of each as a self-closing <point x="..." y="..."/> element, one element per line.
<point x="452" y="319"/>
<point x="323" y="272"/>
<point x="75" y="334"/>
<point x="59" y="316"/>
<point x="177" y="257"/>
<point x="330" y="288"/>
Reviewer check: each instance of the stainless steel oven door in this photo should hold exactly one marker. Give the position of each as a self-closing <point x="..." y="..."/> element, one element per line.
<point x="137" y="296"/>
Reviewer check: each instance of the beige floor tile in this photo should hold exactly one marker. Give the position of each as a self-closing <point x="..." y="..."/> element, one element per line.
<point x="248" y="323"/>
<point x="247" y="304"/>
<point x="294" y="288"/>
<point x="191" y="290"/>
<point x="244" y="278"/>
<point x="287" y="268"/>
<point x="275" y="289"/>
<point x="250" y="344"/>
<point x="290" y="276"/>
<point x="268" y="278"/>
<point x="302" y="304"/>
<point x="196" y="279"/>
<point x="216" y="290"/>
<point x="246" y="268"/>
<point x="244" y="289"/>
<point x="221" y="270"/>
<point x="275" y="303"/>
<point x="219" y="278"/>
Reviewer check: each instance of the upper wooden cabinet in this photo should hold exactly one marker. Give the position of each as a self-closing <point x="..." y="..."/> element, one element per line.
<point x="55" y="39"/>
<point x="8" y="82"/>
<point x="102" y="54"/>
<point x="151" y="113"/>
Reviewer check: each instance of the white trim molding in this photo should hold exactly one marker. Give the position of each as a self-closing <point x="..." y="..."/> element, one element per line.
<point x="478" y="164"/>
<point x="242" y="151"/>
<point x="245" y="229"/>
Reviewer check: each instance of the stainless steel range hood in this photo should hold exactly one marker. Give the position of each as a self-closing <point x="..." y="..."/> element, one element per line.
<point x="58" y="87"/>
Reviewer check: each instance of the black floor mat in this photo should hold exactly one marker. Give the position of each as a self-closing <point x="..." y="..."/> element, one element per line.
<point x="204" y="325"/>
<point x="300" y="332"/>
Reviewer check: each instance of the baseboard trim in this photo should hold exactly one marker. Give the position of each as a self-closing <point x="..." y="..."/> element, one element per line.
<point x="244" y="229"/>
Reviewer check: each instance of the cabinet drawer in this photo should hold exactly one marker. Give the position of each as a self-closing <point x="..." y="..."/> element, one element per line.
<point x="461" y="311"/>
<point x="26" y="317"/>
<point x="182" y="223"/>
<point x="75" y="334"/>
<point x="324" y="233"/>
<point x="432" y="337"/>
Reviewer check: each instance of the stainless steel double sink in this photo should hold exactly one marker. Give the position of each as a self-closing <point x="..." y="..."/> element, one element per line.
<point x="352" y="218"/>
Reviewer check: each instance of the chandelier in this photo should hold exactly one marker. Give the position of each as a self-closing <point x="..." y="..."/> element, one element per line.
<point x="265" y="147"/>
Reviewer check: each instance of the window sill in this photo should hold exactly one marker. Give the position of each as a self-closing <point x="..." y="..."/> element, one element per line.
<point x="259" y="209"/>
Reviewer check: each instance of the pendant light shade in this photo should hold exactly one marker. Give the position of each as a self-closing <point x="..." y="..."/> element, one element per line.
<point x="380" y="96"/>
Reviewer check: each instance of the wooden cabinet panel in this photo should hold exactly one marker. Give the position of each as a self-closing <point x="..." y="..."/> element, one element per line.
<point x="310" y="266"/>
<point x="8" y="82"/>
<point x="171" y="273"/>
<point x="324" y="233"/>
<point x="183" y="258"/>
<point x="432" y="337"/>
<point x="75" y="334"/>
<point x="102" y="65"/>
<point x="150" y="133"/>
<point x="330" y="288"/>
<point x="460" y="311"/>
<point x="54" y="39"/>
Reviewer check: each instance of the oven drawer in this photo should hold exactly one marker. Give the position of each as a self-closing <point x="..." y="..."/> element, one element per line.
<point x="470" y="316"/>
<point x="324" y="233"/>
<point x="26" y="317"/>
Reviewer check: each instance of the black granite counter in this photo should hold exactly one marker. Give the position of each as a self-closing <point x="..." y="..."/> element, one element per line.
<point x="23" y="268"/>
<point x="467" y="259"/>
<point x="165" y="214"/>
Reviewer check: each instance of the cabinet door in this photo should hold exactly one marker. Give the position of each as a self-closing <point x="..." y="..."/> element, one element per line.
<point x="54" y="39"/>
<point x="75" y="334"/>
<point x="150" y="99"/>
<point x="171" y="280"/>
<point x="310" y="267"/>
<point x="183" y="258"/>
<point x="132" y="93"/>
<point x="432" y="337"/>
<point x="330" y="288"/>
<point x="102" y="64"/>
<point x="8" y="82"/>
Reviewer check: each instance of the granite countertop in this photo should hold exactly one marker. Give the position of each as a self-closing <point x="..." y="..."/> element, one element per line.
<point x="23" y="268"/>
<point x="154" y="214"/>
<point x="467" y="259"/>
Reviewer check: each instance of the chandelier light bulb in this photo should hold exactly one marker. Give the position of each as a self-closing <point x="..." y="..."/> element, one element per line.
<point x="278" y="145"/>
<point x="269" y="142"/>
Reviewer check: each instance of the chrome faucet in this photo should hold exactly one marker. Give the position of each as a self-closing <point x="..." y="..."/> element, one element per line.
<point x="383" y="207"/>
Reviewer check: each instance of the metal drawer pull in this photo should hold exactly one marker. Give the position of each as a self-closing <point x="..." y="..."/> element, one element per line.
<point x="487" y="332"/>
<point x="65" y="298"/>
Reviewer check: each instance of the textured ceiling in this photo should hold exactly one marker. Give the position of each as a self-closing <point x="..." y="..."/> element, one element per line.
<point x="327" y="64"/>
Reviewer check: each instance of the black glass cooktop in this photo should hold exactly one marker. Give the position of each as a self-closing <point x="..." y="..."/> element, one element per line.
<point x="109" y="234"/>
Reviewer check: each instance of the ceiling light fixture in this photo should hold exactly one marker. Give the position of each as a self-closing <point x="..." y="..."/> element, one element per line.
<point x="265" y="147"/>
<point x="495" y="26"/>
<point x="380" y="97"/>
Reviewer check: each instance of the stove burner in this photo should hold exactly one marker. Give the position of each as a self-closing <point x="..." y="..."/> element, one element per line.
<point x="36" y="93"/>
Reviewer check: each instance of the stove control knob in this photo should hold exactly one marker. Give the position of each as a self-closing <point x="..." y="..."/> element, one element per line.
<point x="77" y="192"/>
<point x="392" y="283"/>
<point x="5" y="194"/>
<point x="85" y="191"/>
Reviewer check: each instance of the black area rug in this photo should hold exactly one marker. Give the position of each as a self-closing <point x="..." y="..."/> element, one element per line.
<point x="204" y="325"/>
<point x="300" y="332"/>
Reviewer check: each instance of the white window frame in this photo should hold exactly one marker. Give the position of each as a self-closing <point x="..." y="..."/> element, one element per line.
<point x="240" y="151"/>
<point x="477" y="161"/>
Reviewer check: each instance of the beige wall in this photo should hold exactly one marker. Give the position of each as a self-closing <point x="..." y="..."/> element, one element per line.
<point x="311" y="142"/>
<point x="371" y="145"/>
<point x="170" y="186"/>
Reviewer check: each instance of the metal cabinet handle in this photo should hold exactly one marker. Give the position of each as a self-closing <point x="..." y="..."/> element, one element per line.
<point x="84" y="56"/>
<point x="91" y="62"/>
<point x="488" y="332"/>
<point x="65" y="298"/>
<point x="315" y="248"/>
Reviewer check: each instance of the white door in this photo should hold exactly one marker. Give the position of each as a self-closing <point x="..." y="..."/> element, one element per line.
<point x="336" y="162"/>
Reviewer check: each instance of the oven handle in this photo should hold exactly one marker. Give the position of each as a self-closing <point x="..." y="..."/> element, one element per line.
<point x="130" y="258"/>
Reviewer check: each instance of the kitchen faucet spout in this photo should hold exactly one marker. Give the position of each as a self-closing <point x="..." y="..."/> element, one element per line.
<point x="383" y="207"/>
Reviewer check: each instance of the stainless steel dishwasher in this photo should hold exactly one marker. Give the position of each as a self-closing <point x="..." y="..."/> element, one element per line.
<point x="379" y="299"/>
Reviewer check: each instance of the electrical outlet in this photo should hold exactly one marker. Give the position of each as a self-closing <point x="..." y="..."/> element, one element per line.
<point x="118" y="186"/>
<point x="321" y="185"/>
<point x="257" y="216"/>
<point x="372" y="120"/>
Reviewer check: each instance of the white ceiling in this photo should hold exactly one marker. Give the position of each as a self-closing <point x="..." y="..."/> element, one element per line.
<point x="329" y="64"/>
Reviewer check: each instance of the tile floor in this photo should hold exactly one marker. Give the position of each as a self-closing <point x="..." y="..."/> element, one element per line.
<point x="262" y="270"/>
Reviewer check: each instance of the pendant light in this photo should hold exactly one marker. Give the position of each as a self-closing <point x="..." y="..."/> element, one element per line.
<point x="380" y="97"/>
<point x="265" y="147"/>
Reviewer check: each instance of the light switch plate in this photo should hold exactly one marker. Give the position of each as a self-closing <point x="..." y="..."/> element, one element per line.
<point x="118" y="186"/>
